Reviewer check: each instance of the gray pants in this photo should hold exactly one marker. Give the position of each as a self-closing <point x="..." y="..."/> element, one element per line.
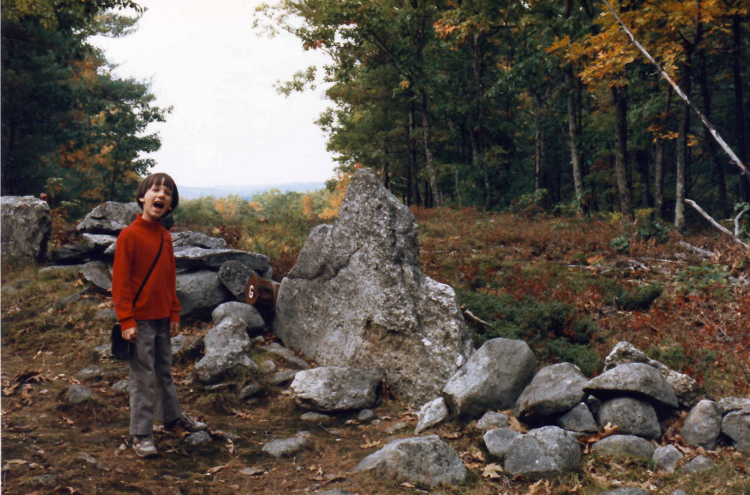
<point x="152" y="391"/>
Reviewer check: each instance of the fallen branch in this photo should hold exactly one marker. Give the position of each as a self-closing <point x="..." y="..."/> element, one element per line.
<point x="475" y="318"/>
<point x="717" y="224"/>
<point x="703" y="252"/>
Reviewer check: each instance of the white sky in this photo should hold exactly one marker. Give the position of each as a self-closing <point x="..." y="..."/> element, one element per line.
<point x="228" y="125"/>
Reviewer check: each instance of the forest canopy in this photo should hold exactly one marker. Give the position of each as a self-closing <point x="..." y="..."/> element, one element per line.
<point x="491" y="104"/>
<point x="70" y="128"/>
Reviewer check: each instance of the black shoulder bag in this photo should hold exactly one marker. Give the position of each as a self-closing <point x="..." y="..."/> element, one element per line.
<point x="121" y="348"/>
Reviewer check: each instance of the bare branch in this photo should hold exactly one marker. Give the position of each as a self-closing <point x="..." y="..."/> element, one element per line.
<point x="737" y="221"/>
<point x="714" y="222"/>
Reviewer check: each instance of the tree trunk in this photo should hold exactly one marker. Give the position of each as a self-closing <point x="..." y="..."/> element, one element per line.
<point x="574" y="132"/>
<point x="538" y="150"/>
<point x="478" y="134"/>
<point x="659" y="165"/>
<point x="739" y="100"/>
<point x="716" y="165"/>
<point x="413" y="165"/>
<point x="428" y="150"/>
<point x="682" y="152"/>
<point x="624" y="187"/>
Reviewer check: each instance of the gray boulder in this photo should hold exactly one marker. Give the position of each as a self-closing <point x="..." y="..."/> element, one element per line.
<point x="492" y="420"/>
<point x="633" y="416"/>
<point x="702" y="425"/>
<point x="97" y="274"/>
<point x="335" y="388"/>
<point x="357" y="297"/>
<point x="736" y="425"/>
<point x="422" y="460"/>
<point x="26" y="227"/>
<point x="196" y="258"/>
<point x="636" y="379"/>
<point x="186" y="239"/>
<point x="243" y="312"/>
<point x="492" y="378"/>
<point x="200" y="293"/>
<point x="227" y="345"/>
<point x="554" y="390"/>
<point x="499" y="440"/>
<point x="578" y="420"/>
<point x="731" y="404"/>
<point x="624" y="446"/>
<point x="109" y="218"/>
<point x="687" y="390"/>
<point x="431" y="414"/>
<point x="546" y="451"/>
<point x="667" y="457"/>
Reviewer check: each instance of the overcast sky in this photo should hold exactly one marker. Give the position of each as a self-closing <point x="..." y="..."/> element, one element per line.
<point x="228" y="125"/>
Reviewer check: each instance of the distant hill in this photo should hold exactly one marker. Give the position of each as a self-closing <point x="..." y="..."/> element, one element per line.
<point x="246" y="192"/>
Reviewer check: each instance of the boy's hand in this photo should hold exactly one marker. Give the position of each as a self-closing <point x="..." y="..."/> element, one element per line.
<point x="174" y="328"/>
<point x="130" y="334"/>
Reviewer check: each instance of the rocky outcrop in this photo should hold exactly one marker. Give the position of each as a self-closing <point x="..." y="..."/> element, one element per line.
<point x="26" y="226"/>
<point x="357" y="297"/>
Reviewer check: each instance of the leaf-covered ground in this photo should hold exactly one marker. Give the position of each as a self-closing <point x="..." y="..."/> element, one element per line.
<point x="571" y="288"/>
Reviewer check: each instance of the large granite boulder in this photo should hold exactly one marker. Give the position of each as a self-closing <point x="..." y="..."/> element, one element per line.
<point x="357" y="297"/>
<point x="493" y="378"/>
<point x="424" y="460"/>
<point x="26" y="227"/>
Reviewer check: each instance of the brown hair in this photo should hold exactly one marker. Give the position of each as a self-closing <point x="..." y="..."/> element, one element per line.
<point x="159" y="179"/>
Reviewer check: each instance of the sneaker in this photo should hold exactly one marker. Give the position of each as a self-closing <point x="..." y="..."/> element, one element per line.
<point x="186" y="423"/>
<point x="144" y="446"/>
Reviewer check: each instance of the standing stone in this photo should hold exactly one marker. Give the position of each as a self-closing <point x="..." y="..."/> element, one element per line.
<point x="357" y="297"/>
<point x="425" y="460"/>
<point x="547" y="451"/>
<point x="493" y="378"/>
<point x="633" y="416"/>
<point x="702" y="425"/>
<point x="26" y="227"/>
<point x="554" y="390"/>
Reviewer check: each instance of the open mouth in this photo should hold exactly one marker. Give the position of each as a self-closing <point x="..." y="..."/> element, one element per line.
<point x="158" y="205"/>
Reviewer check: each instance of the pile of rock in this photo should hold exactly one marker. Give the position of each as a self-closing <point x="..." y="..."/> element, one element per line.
<point x="208" y="274"/>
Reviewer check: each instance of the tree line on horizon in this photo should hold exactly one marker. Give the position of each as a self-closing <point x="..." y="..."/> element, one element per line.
<point x="489" y="103"/>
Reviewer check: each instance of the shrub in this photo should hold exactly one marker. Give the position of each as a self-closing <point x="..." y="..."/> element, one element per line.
<point x="640" y="298"/>
<point x="581" y="355"/>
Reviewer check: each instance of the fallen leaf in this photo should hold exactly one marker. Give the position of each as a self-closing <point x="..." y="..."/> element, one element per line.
<point x="240" y="414"/>
<point x="407" y="485"/>
<point x="369" y="444"/>
<point x="492" y="471"/>
<point x="214" y="470"/>
<point x="69" y="421"/>
<point x="26" y="394"/>
<point x="250" y="471"/>
<point x="516" y="425"/>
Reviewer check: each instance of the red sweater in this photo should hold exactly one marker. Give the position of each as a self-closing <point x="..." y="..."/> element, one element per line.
<point x="136" y="249"/>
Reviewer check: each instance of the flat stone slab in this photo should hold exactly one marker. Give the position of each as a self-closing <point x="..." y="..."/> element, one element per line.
<point x="637" y="379"/>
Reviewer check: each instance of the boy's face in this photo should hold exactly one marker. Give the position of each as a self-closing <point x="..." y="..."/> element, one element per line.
<point x="157" y="202"/>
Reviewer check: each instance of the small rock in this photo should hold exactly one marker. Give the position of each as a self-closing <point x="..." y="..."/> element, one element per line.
<point x="336" y="388"/>
<point x="736" y="425"/>
<point x="578" y="420"/>
<point x="267" y="367"/>
<point x="76" y="394"/>
<point x="366" y="415"/>
<point x="667" y="457"/>
<point x="554" y="390"/>
<point x="492" y="420"/>
<point x="633" y="416"/>
<point x="47" y="480"/>
<point x="546" y="451"/>
<point x="498" y="441"/>
<point x="627" y="491"/>
<point x="431" y="414"/>
<point x="624" y="445"/>
<point x="283" y="377"/>
<point x="698" y="464"/>
<point x="313" y="417"/>
<point x="121" y="386"/>
<point x="633" y="378"/>
<point x="396" y="427"/>
<point x="286" y="447"/>
<point x="731" y="404"/>
<point x="198" y="438"/>
<point x="250" y="390"/>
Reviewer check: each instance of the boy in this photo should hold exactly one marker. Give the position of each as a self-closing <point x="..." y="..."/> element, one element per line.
<point x="154" y="317"/>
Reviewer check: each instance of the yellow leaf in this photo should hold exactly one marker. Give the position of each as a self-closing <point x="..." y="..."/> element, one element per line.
<point x="492" y="471"/>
